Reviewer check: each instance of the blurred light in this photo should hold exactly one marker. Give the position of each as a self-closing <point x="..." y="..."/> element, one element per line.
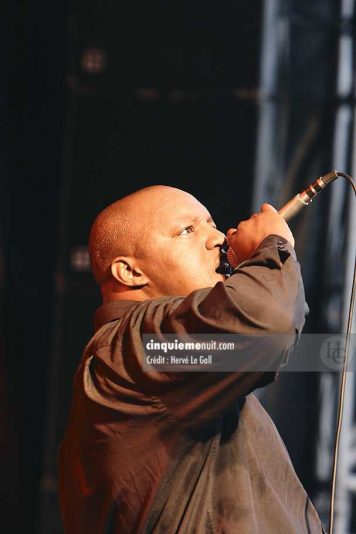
<point x="94" y="60"/>
<point x="79" y="259"/>
<point x="147" y="93"/>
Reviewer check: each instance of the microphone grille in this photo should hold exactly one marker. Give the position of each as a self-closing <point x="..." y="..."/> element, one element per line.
<point x="231" y="258"/>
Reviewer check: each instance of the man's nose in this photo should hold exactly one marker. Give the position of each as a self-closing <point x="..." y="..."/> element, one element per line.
<point x="215" y="239"/>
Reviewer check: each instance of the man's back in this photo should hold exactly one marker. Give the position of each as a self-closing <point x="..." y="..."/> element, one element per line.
<point x="128" y="465"/>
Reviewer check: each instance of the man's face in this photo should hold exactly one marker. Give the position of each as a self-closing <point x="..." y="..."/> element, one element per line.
<point x="181" y="245"/>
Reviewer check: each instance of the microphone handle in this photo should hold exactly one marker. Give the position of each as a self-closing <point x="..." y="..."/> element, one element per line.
<point x="293" y="206"/>
<point x="304" y="198"/>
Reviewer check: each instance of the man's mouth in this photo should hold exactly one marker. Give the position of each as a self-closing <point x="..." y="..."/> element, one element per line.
<point x="224" y="266"/>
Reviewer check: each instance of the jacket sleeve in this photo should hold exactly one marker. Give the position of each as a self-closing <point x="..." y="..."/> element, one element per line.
<point x="264" y="296"/>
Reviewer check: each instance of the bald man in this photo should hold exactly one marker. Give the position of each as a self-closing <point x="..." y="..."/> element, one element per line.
<point x="182" y="452"/>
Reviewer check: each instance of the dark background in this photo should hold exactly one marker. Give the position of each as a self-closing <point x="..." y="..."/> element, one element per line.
<point x="173" y="100"/>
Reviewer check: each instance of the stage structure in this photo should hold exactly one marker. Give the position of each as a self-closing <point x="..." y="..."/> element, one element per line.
<point x="342" y="245"/>
<point x="292" y="152"/>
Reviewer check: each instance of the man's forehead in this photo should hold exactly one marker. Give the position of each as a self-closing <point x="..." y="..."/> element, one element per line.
<point x="168" y="206"/>
<point x="181" y="212"/>
<point x="190" y="216"/>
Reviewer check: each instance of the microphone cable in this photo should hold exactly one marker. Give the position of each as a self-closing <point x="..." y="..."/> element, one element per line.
<point x="342" y="388"/>
<point x="229" y="261"/>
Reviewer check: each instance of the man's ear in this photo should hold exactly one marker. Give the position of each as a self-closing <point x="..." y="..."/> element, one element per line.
<point x="125" y="271"/>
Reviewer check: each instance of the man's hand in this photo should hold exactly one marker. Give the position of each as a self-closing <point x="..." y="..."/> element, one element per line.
<point x="246" y="238"/>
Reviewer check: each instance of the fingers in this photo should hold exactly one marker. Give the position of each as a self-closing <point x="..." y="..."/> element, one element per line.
<point x="230" y="233"/>
<point x="268" y="207"/>
<point x="249" y="234"/>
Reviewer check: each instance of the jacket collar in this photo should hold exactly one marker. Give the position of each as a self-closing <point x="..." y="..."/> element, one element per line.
<point x="109" y="311"/>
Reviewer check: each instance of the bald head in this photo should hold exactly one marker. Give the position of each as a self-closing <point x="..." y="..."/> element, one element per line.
<point x="118" y="229"/>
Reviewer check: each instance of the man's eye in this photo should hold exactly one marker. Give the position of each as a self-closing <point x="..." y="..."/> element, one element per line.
<point x="187" y="230"/>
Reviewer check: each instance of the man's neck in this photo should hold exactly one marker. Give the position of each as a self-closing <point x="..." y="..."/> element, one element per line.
<point x="123" y="295"/>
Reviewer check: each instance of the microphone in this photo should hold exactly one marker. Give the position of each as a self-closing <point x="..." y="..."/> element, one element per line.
<point x="291" y="208"/>
<point x="306" y="197"/>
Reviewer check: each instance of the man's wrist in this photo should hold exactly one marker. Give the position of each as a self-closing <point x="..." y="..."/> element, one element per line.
<point x="285" y="248"/>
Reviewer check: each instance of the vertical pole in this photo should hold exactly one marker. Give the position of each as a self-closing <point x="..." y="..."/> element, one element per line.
<point x="341" y="244"/>
<point x="265" y="182"/>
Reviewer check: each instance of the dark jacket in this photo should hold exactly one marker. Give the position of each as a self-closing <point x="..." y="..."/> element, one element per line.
<point x="187" y="452"/>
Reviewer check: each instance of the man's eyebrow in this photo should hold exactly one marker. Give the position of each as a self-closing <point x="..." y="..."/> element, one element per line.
<point x="189" y="218"/>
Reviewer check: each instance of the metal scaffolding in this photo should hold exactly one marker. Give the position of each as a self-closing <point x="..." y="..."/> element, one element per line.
<point x="268" y="170"/>
<point x="339" y="255"/>
<point x="341" y="245"/>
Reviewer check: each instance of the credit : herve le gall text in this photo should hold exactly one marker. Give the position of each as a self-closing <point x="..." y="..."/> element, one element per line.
<point x="172" y="359"/>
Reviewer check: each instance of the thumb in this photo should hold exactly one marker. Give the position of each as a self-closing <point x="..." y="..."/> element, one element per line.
<point x="267" y="207"/>
<point x="229" y="234"/>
